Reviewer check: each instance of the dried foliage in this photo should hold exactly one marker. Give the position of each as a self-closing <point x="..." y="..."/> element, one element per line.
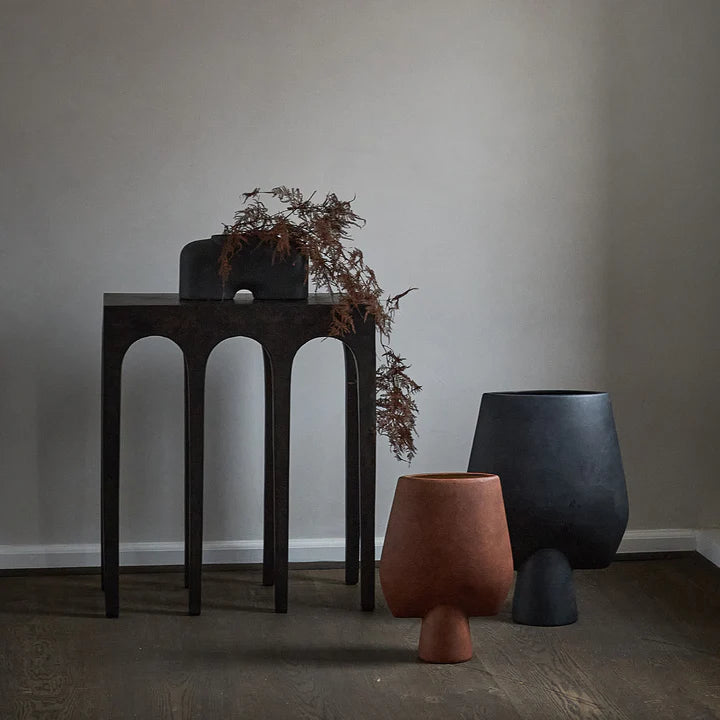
<point x="319" y="231"/>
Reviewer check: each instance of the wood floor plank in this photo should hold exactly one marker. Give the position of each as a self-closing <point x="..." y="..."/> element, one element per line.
<point x="665" y="662"/>
<point x="647" y="645"/>
<point x="548" y="672"/>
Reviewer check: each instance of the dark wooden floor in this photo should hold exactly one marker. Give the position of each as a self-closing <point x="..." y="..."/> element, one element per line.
<point x="647" y="646"/>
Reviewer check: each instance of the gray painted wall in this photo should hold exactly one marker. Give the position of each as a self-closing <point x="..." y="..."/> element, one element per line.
<point x="663" y="220"/>
<point x="498" y="151"/>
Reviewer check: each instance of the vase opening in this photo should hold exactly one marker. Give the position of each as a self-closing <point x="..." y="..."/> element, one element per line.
<point x="453" y="476"/>
<point x="561" y="393"/>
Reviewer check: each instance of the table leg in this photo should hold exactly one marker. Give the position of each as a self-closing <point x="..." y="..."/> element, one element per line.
<point x="352" y="471"/>
<point x="269" y="481"/>
<point x="281" y="363"/>
<point x="365" y="357"/>
<point x="102" y="537"/>
<point x="186" y="482"/>
<point x="196" y="427"/>
<point x="110" y="470"/>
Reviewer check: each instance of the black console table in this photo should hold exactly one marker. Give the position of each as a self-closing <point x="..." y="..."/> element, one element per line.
<point x="281" y="328"/>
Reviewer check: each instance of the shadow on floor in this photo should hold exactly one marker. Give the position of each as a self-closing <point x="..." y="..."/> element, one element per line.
<point x="321" y="656"/>
<point x="77" y="596"/>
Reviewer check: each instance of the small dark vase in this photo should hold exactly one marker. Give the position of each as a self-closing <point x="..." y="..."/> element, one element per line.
<point x="558" y="458"/>
<point x="253" y="268"/>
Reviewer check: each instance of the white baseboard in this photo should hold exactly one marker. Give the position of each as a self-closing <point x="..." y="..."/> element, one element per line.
<point x="15" y="557"/>
<point x="708" y="544"/>
<point x="658" y="541"/>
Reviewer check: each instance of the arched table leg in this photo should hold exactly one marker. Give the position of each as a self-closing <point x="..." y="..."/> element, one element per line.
<point x="281" y="364"/>
<point x="102" y="536"/>
<point x="195" y="367"/>
<point x="186" y="481"/>
<point x="268" y="494"/>
<point x="352" y="471"/>
<point x="110" y="469"/>
<point x="365" y="356"/>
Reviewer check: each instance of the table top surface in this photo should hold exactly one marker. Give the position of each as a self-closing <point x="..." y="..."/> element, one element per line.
<point x="173" y="300"/>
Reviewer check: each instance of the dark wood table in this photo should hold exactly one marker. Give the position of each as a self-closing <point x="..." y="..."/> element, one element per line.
<point x="281" y="328"/>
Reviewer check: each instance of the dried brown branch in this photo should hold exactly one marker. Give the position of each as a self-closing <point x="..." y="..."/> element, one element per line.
<point x="318" y="230"/>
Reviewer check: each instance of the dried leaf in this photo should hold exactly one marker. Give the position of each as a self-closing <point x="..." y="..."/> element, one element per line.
<point x="317" y="230"/>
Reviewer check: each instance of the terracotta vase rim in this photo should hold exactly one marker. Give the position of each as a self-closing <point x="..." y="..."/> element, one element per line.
<point x="455" y="477"/>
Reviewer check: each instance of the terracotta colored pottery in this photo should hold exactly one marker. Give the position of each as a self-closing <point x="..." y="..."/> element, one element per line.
<point x="446" y="557"/>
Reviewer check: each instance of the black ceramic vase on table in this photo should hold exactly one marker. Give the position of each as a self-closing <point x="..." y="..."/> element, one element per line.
<point x="254" y="268"/>
<point x="558" y="458"/>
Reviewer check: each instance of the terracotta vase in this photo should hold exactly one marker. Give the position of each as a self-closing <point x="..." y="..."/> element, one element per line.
<point x="446" y="557"/>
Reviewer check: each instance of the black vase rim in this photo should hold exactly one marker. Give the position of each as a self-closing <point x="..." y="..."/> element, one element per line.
<point x="221" y="237"/>
<point x="547" y="393"/>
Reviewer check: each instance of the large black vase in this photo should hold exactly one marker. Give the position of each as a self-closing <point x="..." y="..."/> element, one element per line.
<point x="559" y="463"/>
<point x="254" y="268"/>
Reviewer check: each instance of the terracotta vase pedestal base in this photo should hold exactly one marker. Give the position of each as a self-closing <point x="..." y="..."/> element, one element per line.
<point x="445" y="636"/>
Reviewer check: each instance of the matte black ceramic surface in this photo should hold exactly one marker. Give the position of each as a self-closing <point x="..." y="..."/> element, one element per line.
<point x="559" y="463"/>
<point x="281" y="328"/>
<point x="254" y="268"/>
<point x="544" y="590"/>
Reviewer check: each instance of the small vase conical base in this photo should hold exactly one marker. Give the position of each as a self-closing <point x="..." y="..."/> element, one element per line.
<point x="445" y="636"/>
<point x="544" y="591"/>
